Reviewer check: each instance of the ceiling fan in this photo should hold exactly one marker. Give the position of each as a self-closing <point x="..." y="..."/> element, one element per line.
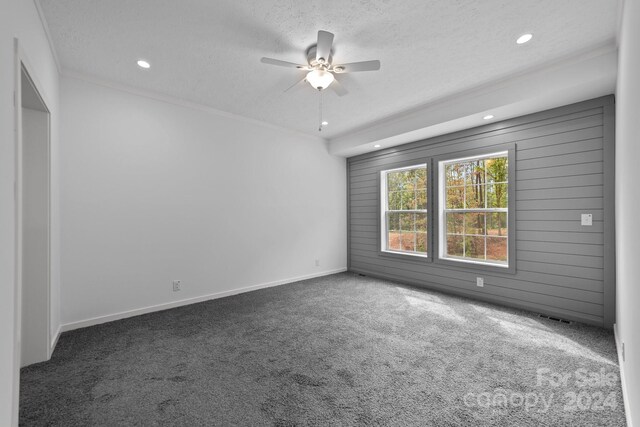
<point x="320" y="67"/>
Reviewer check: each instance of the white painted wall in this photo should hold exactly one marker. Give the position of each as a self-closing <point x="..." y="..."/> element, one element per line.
<point x="19" y="18"/>
<point x="154" y="191"/>
<point x="628" y="202"/>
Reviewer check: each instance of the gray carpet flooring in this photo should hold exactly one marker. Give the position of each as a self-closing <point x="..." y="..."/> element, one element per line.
<point x="338" y="350"/>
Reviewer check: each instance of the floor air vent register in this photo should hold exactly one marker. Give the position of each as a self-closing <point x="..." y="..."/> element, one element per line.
<point x="555" y="319"/>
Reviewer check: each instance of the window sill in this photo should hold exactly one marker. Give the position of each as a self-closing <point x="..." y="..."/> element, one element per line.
<point x="405" y="256"/>
<point x="475" y="265"/>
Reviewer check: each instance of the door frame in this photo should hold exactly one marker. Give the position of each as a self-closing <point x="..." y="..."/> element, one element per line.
<point x="21" y="62"/>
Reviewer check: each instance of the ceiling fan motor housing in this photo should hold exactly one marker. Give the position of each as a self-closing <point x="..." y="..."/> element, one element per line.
<point x="311" y="58"/>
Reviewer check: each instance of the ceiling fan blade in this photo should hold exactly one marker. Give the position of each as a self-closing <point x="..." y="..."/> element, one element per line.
<point x="323" y="48"/>
<point x="338" y="88"/>
<point x="357" y="66"/>
<point x="297" y="85"/>
<point x="272" y="61"/>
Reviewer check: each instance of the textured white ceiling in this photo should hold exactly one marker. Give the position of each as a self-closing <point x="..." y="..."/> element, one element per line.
<point x="209" y="51"/>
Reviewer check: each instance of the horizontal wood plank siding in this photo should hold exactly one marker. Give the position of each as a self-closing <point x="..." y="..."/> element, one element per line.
<point x="561" y="266"/>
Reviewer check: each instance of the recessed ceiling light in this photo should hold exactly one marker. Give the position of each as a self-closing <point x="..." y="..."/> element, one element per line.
<point x="325" y="123"/>
<point x="376" y="146"/>
<point x="524" y="38"/>
<point x="488" y="117"/>
<point x="143" y="64"/>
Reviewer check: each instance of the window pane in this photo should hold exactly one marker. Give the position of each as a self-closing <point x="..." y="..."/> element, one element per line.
<point x="474" y="197"/>
<point x="497" y="224"/>
<point x="393" y="182"/>
<point x="474" y="247"/>
<point x="455" y="198"/>
<point x="407" y="178"/>
<point x="421" y="198"/>
<point x="401" y="180"/>
<point x="393" y="221"/>
<point x="497" y="169"/>
<point x="407" y="221"/>
<point x="455" y="245"/>
<point x="393" y="231"/>
<point x="407" y="241"/>
<point x="408" y="200"/>
<point x="455" y="223"/>
<point x="497" y="248"/>
<point x="421" y="178"/>
<point x="421" y="242"/>
<point x="454" y="174"/>
<point x="497" y="196"/>
<point x="394" y="200"/>
<point x="393" y="240"/>
<point x="474" y="223"/>
<point x="407" y="190"/>
<point x="474" y="172"/>
<point x="421" y="222"/>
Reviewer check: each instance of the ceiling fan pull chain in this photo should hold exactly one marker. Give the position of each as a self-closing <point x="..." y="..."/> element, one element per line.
<point x="320" y="113"/>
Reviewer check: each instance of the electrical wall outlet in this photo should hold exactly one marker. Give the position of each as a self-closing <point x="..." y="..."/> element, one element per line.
<point x="317" y="263"/>
<point x="480" y="281"/>
<point x="586" y="219"/>
<point x="176" y="285"/>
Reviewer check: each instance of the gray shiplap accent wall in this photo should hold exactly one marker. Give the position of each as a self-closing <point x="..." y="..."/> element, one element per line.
<point x="564" y="167"/>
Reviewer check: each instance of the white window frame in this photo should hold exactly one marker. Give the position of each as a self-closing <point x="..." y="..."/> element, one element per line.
<point x="384" y="210"/>
<point x="442" y="228"/>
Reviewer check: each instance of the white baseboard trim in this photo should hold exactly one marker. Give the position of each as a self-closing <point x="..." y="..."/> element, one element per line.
<point x="144" y="310"/>
<point x="54" y="341"/>
<point x="625" y="397"/>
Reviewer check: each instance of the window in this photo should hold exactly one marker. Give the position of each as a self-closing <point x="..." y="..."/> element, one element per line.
<point x="404" y="210"/>
<point x="474" y="209"/>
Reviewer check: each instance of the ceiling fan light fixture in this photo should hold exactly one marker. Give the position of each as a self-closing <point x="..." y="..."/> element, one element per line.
<point x="320" y="79"/>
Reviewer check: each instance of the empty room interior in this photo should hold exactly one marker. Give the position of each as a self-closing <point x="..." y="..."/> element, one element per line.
<point x="319" y="213"/>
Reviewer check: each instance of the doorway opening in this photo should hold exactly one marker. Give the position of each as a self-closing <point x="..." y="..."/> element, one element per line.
<point x="33" y="198"/>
